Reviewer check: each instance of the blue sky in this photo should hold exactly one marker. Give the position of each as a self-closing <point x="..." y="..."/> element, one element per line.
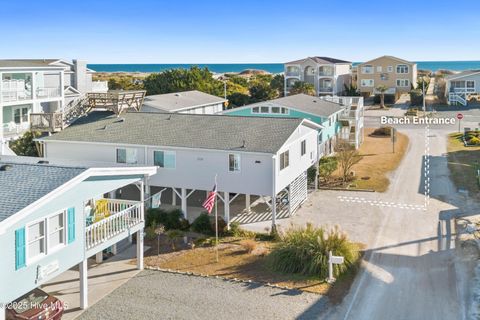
<point x="211" y="31"/>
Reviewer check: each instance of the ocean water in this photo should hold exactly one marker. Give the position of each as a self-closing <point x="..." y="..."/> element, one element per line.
<point x="270" y="67"/>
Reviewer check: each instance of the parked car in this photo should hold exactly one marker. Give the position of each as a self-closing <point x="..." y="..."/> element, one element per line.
<point x="35" y="305"/>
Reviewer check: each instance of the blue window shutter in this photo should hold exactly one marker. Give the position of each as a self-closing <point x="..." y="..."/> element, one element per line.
<point x="71" y="224"/>
<point x="20" y="248"/>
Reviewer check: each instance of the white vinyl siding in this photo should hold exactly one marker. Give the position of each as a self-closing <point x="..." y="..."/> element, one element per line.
<point x="233" y="162"/>
<point x="164" y="159"/>
<point x="127" y="155"/>
<point x="367" y="83"/>
<point x="284" y="160"/>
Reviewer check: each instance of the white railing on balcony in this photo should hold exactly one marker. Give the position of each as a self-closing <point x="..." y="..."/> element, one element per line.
<point x="124" y="215"/>
<point x="15" y="90"/>
<point x="14" y="129"/>
<point x="48" y="92"/>
<point x="463" y="90"/>
<point x="99" y="86"/>
<point x="325" y="89"/>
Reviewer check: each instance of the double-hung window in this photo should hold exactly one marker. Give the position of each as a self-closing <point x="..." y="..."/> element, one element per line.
<point x="402" y="68"/>
<point x="233" y="162"/>
<point x="367" y="69"/>
<point x="403" y="83"/>
<point x="303" y="147"/>
<point x="284" y="160"/>
<point x="367" y="83"/>
<point x="56" y="230"/>
<point x="164" y="159"/>
<point x="36" y="240"/>
<point x="127" y="155"/>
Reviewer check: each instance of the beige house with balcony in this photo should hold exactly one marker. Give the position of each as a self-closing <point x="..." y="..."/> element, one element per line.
<point x="328" y="75"/>
<point x="396" y="74"/>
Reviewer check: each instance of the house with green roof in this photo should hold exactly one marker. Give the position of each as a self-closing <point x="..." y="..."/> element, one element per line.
<point x="339" y="118"/>
<point x="54" y="217"/>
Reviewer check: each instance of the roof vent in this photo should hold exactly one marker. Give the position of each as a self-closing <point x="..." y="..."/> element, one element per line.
<point x="5" y="167"/>
<point x="43" y="162"/>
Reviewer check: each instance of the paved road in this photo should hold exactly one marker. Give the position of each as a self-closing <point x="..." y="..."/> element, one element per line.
<point x="158" y="295"/>
<point x="410" y="272"/>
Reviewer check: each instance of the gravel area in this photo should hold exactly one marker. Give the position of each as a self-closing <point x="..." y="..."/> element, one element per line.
<point x="158" y="295"/>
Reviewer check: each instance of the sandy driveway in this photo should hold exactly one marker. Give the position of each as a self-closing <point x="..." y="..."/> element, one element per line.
<point x="410" y="270"/>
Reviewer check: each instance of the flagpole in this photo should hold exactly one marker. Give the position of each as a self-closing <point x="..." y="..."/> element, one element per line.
<point x="216" y="221"/>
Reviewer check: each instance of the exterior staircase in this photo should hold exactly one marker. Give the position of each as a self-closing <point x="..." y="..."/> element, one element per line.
<point x="75" y="109"/>
<point x="457" y="98"/>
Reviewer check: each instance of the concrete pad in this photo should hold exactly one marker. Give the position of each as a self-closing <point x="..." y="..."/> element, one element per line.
<point x="103" y="278"/>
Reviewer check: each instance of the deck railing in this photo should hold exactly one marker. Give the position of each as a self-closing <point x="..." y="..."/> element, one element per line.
<point x="48" y="92"/>
<point x="50" y="122"/>
<point x="126" y="214"/>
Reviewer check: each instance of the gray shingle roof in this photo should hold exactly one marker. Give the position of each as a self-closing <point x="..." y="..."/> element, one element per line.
<point x="462" y="74"/>
<point x="22" y="184"/>
<point x="307" y="103"/>
<point x="26" y="63"/>
<point x="220" y="132"/>
<point x="321" y="60"/>
<point x="181" y="100"/>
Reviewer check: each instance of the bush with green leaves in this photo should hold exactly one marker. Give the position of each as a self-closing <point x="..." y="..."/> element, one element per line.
<point x="205" y="224"/>
<point x="326" y="167"/>
<point x="25" y="146"/>
<point x="172" y="219"/>
<point x="305" y="251"/>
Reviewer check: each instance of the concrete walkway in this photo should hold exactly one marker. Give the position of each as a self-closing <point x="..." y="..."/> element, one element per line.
<point x="102" y="280"/>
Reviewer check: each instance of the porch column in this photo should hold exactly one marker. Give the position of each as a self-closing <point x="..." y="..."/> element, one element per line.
<point x="147" y="188"/>
<point x="140" y="249"/>
<point x="114" y="249"/>
<point x="247" y="203"/>
<point x="226" y="207"/>
<point x="184" y="202"/>
<point x="99" y="257"/>
<point x="274" y="211"/>
<point x="83" y="268"/>
<point x="2" y="311"/>
<point x="174" y="197"/>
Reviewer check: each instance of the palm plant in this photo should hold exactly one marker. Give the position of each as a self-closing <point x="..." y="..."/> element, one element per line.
<point x="302" y="87"/>
<point x="382" y="89"/>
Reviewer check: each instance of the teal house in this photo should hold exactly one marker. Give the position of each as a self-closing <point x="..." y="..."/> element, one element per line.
<point x="340" y="117"/>
<point x="54" y="217"/>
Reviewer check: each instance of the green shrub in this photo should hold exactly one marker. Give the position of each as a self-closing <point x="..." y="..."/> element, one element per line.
<point x="25" y="146"/>
<point x="150" y="233"/>
<point x="305" y="251"/>
<point x="416" y="97"/>
<point x="311" y="172"/>
<point x="172" y="219"/>
<point x="205" y="224"/>
<point x="383" y="131"/>
<point x="173" y="235"/>
<point x="327" y="166"/>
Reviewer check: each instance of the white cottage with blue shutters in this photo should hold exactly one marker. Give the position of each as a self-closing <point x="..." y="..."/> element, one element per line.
<point x="53" y="218"/>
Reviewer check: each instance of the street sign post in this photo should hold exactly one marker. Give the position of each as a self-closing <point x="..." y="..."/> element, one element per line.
<point x="394" y="138"/>
<point x="459" y="117"/>
<point x="331" y="261"/>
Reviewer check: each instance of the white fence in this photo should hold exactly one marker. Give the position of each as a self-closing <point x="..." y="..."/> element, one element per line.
<point x="126" y="214"/>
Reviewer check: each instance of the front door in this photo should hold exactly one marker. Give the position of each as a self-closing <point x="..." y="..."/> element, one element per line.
<point x="20" y="115"/>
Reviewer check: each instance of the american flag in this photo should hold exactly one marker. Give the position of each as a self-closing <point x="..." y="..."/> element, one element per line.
<point x="210" y="200"/>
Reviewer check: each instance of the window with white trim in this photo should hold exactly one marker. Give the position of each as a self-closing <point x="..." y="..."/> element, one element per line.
<point x="275" y="109"/>
<point x="255" y="110"/>
<point x="264" y="110"/>
<point x="36" y="240"/>
<point x="403" y="83"/>
<point x="367" y="83"/>
<point x="56" y="230"/>
<point x="284" y="159"/>
<point x="233" y="162"/>
<point x="164" y="159"/>
<point x="379" y="69"/>
<point x="303" y="147"/>
<point x="127" y="155"/>
<point x="402" y="68"/>
<point x="367" y="69"/>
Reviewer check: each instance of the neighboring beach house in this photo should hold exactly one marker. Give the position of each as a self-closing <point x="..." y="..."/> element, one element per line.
<point x="339" y="117"/>
<point x="461" y="87"/>
<point x="396" y="74"/>
<point x="53" y="218"/>
<point x="40" y="86"/>
<point x="256" y="156"/>
<point x="328" y="75"/>
<point x="194" y="102"/>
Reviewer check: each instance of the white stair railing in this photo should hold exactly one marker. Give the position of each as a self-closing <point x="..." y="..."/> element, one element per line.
<point x="455" y="97"/>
